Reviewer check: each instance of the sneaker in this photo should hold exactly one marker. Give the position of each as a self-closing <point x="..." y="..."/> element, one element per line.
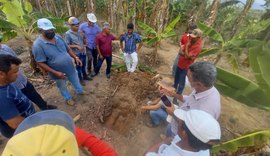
<point x="70" y="102"/>
<point x="50" y="107"/>
<point x="88" y="78"/>
<point x="83" y="93"/>
<point x="82" y="82"/>
<point x="94" y="74"/>
<point x="150" y="125"/>
<point x="108" y="76"/>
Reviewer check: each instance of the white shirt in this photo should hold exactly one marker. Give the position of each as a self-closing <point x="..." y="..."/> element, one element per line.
<point x="208" y="101"/>
<point x="174" y="150"/>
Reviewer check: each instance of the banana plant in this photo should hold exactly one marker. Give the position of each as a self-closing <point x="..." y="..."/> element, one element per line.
<point x="153" y="38"/>
<point x="233" y="47"/>
<point x="250" y="141"/>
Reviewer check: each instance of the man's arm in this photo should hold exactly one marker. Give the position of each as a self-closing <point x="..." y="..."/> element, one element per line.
<point x="93" y="144"/>
<point x="77" y="60"/>
<point x="155" y="147"/>
<point x="140" y="46"/>
<point x="49" y="69"/>
<point x="14" y="122"/>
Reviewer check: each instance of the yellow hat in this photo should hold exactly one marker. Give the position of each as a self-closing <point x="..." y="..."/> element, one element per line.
<point x="44" y="139"/>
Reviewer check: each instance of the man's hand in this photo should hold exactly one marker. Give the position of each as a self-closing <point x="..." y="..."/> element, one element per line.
<point x="60" y="75"/>
<point x="80" y="48"/>
<point x="170" y="110"/>
<point x="100" y="56"/>
<point x="167" y="92"/>
<point x="78" y="61"/>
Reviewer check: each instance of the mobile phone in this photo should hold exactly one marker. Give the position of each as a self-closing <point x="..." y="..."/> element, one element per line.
<point x="166" y="101"/>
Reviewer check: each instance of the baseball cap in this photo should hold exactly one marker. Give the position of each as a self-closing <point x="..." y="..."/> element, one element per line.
<point x="106" y="25"/>
<point x="44" y="133"/>
<point x="91" y="17"/>
<point x="45" y="24"/>
<point x="200" y="123"/>
<point x="196" y="33"/>
<point x="167" y="84"/>
<point x="73" y="20"/>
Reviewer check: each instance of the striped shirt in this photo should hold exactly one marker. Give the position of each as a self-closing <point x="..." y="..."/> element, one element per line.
<point x="130" y="42"/>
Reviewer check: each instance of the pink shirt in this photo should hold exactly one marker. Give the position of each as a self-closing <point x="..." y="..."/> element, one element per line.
<point x="104" y="42"/>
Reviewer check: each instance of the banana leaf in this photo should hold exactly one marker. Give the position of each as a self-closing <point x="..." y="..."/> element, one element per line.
<point x="242" y="89"/>
<point x="209" y="51"/>
<point x="168" y="34"/>
<point x="171" y="26"/>
<point x="248" y="140"/>
<point x="211" y="32"/>
<point x="146" y="28"/>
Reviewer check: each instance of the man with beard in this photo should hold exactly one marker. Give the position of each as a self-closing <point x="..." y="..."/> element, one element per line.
<point x="53" y="55"/>
<point x="188" y="54"/>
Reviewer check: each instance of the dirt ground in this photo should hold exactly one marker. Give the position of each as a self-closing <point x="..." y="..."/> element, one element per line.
<point x="111" y="111"/>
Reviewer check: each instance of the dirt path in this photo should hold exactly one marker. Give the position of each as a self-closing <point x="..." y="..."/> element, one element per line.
<point x="121" y="97"/>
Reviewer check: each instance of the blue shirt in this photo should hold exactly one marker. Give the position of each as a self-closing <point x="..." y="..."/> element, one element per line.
<point x="90" y="33"/>
<point x="21" y="80"/>
<point x="75" y="38"/>
<point x="130" y="42"/>
<point x="13" y="103"/>
<point x="54" y="55"/>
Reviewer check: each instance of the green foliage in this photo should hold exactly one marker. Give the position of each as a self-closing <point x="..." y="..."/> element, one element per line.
<point x="245" y="141"/>
<point x="122" y="68"/>
<point x="211" y="32"/>
<point x="242" y="89"/>
<point x="153" y="37"/>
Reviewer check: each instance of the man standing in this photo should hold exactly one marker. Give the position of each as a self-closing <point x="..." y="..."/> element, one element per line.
<point x="15" y="106"/>
<point x="90" y="29"/>
<point x="104" y="48"/>
<point x="188" y="54"/>
<point x="131" y="38"/>
<point x="54" y="56"/>
<point x="74" y="39"/>
<point x="23" y="84"/>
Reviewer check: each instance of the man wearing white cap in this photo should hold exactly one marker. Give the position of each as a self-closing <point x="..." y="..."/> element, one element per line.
<point x="90" y="30"/>
<point x="52" y="54"/>
<point x="197" y="131"/>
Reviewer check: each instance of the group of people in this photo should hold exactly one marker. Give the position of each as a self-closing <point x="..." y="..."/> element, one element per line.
<point x="192" y="120"/>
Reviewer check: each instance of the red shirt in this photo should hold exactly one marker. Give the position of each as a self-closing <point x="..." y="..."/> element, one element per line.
<point x="94" y="145"/>
<point x="193" y="51"/>
<point x="184" y="38"/>
<point x="104" y="42"/>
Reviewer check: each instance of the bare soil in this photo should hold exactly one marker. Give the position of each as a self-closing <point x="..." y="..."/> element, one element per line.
<point x="111" y="111"/>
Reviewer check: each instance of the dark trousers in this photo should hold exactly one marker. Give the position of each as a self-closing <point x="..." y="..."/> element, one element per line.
<point x="30" y="92"/>
<point x="5" y="130"/>
<point x="81" y="69"/>
<point x="92" y="56"/>
<point x="108" y="62"/>
<point x="179" y="80"/>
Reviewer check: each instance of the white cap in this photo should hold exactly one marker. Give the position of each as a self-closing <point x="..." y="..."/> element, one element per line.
<point x="91" y="17"/>
<point x="45" y="24"/>
<point x="201" y="124"/>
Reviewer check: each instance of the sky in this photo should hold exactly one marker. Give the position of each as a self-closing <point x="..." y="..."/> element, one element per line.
<point x="257" y="4"/>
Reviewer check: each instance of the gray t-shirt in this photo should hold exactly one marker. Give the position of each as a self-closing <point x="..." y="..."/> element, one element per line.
<point x="54" y="55"/>
<point x="75" y="38"/>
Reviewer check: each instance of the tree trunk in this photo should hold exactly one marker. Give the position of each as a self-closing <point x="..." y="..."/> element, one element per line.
<point x="110" y="12"/>
<point x="54" y="8"/>
<point x="134" y="14"/>
<point x="213" y="13"/>
<point x="69" y="8"/>
<point x="90" y="6"/>
<point x="39" y="5"/>
<point x="239" y="20"/>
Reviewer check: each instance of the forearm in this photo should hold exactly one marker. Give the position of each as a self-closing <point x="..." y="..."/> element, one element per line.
<point x="178" y="97"/>
<point x="73" y="46"/>
<point x="140" y="45"/>
<point x="152" y="107"/>
<point x="45" y="67"/>
<point x="70" y="52"/>
<point x="93" y="144"/>
<point x="98" y="50"/>
<point x="121" y="45"/>
<point x="14" y="122"/>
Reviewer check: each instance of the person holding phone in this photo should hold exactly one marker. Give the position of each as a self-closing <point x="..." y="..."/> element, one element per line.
<point x="158" y="107"/>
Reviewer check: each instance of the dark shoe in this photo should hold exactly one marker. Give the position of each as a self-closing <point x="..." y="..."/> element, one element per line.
<point x="175" y="101"/>
<point x="82" y="82"/>
<point x="94" y="74"/>
<point x="88" y="78"/>
<point x="50" y="107"/>
<point x="108" y="76"/>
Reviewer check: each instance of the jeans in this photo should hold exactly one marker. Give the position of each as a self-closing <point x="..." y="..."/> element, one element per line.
<point x="179" y="80"/>
<point x="81" y="69"/>
<point x="175" y="64"/>
<point x="30" y="92"/>
<point x="62" y="86"/>
<point x="92" y="56"/>
<point x="108" y="62"/>
<point x="131" y="67"/>
<point x="158" y="115"/>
